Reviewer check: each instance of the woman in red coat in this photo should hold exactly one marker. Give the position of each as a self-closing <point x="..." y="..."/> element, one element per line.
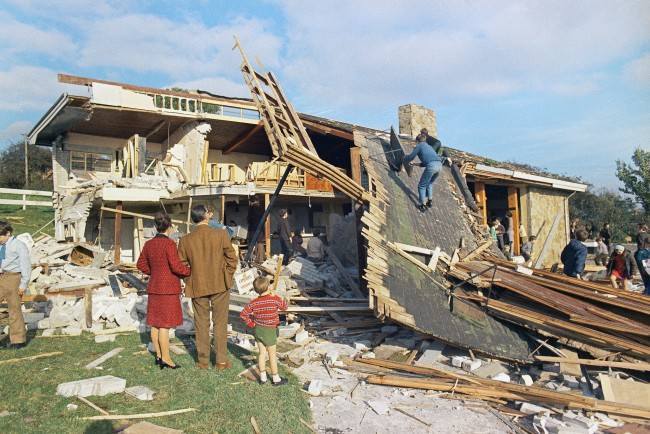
<point x="159" y="259"/>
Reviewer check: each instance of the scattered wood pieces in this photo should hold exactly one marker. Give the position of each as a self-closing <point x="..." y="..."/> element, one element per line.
<point x="37" y="356"/>
<point x="95" y="363"/>
<point x="602" y="363"/>
<point x="256" y="427"/>
<point x="140" y="415"/>
<point x="93" y="406"/>
<point x="404" y="412"/>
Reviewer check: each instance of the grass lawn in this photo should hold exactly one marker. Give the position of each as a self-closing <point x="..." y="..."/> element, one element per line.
<point x="30" y="220"/>
<point x="224" y="402"/>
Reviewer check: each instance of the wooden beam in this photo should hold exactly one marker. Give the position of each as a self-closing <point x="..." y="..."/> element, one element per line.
<point x="355" y="164"/>
<point x="267" y="227"/>
<point x="601" y="363"/>
<point x="481" y="200"/>
<point x="513" y="207"/>
<point x="117" y="243"/>
<point x="88" y="305"/>
<point x="139" y="416"/>
<point x="135" y="214"/>
<point x="242" y="138"/>
<point x="326" y="130"/>
<point x="480" y="249"/>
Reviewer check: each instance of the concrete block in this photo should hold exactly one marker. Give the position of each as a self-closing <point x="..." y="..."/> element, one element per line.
<point x="471" y="365"/>
<point x="104" y="338"/>
<point x="570" y="381"/>
<point x="301" y="336"/>
<point x="368" y="355"/>
<point x="431" y="355"/>
<point x="527" y="380"/>
<point x="362" y="345"/>
<point x="71" y="407"/>
<point x="44" y="324"/>
<point x="33" y="317"/>
<point x="457" y="361"/>
<point x="71" y="331"/>
<point x="528" y="408"/>
<point x="503" y="377"/>
<point x="288" y="331"/>
<point x="98" y="386"/>
<point x="48" y="332"/>
<point x="315" y="387"/>
<point x="143" y="393"/>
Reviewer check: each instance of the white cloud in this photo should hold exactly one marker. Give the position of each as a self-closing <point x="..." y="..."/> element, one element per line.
<point x="20" y="38"/>
<point x="14" y="131"/>
<point x="28" y="87"/>
<point x="638" y="71"/>
<point x="181" y="49"/>
<point x="216" y="85"/>
<point x="383" y="52"/>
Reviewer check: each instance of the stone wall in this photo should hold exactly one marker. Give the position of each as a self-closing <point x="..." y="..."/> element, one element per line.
<point x="413" y="117"/>
<point x="543" y="205"/>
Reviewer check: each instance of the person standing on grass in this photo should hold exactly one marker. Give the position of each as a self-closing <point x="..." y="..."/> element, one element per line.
<point x="261" y="314"/>
<point x="15" y="272"/>
<point x="285" y="236"/>
<point x="159" y="259"/>
<point x="574" y="255"/>
<point x="620" y="267"/>
<point x="642" y="257"/>
<point x="212" y="258"/>
<point x="432" y="164"/>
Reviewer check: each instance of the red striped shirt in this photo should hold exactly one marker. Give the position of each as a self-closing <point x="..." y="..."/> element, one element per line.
<point x="263" y="311"/>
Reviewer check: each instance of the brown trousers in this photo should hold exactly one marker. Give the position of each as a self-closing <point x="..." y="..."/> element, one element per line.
<point x="9" y="283"/>
<point x="218" y="305"/>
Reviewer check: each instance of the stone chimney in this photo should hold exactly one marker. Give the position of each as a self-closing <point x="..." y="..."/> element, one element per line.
<point x="413" y="117"/>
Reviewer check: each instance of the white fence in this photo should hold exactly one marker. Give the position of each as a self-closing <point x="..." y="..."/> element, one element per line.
<point x="24" y="193"/>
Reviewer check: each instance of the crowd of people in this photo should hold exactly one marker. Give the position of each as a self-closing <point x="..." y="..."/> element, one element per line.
<point x="619" y="261"/>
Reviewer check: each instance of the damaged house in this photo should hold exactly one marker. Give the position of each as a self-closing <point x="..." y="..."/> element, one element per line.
<point x="122" y="152"/>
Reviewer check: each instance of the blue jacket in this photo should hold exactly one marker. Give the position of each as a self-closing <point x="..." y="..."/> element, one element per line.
<point x="424" y="152"/>
<point x="573" y="257"/>
<point x="640" y="256"/>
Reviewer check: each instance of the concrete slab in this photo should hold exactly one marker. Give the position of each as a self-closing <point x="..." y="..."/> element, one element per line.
<point x="97" y="386"/>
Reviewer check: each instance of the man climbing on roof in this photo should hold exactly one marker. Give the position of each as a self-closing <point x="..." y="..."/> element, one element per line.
<point x="432" y="164"/>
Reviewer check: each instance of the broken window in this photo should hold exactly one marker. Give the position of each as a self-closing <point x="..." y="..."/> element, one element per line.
<point x="192" y="105"/>
<point x="168" y="102"/>
<point x="90" y="162"/>
<point x="184" y="104"/>
<point x="175" y="103"/>
<point x="159" y="101"/>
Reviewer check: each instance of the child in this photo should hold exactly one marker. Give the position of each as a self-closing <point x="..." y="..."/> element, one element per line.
<point x="261" y="314"/>
<point x="527" y="248"/>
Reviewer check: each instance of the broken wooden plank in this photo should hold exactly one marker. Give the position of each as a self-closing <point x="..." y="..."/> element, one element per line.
<point x="91" y="405"/>
<point x="140" y="415"/>
<point x="480" y="249"/>
<point x="95" y="363"/>
<point x="37" y="356"/>
<point x="624" y="391"/>
<point x="641" y="366"/>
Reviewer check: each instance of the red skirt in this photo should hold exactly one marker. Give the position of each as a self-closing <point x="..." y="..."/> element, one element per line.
<point x="164" y="311"/>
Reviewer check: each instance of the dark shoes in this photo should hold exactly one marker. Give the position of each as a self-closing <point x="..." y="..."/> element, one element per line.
<point x="429" y="203"/>
<point x="422" y="208"/>
<point x="164" y="365"/>
<point x="17" y="346"/>
<point x="282" y="382"/>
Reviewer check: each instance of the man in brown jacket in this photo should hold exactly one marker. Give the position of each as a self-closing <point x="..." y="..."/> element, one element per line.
<point x="213" y="261"/>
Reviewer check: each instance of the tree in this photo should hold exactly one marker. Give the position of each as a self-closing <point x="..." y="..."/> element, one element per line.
<point x="602" y="206"/>
<point x="12" y="167"/>
<point x="636" y="180"/>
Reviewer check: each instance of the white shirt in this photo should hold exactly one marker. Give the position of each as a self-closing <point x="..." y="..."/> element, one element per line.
<point x="315" y="248"/>
<point x="17" y="260"/>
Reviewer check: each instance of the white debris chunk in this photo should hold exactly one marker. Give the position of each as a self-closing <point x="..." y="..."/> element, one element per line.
<point x="315" y="387"/>
<point x="98" y="386"/>
<point x="143" y="393"/>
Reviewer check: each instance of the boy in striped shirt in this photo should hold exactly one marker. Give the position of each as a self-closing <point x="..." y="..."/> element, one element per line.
<point x="261" y="314"/>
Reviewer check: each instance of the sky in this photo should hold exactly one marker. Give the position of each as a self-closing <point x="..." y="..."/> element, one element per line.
<point x="560" y="85"/>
